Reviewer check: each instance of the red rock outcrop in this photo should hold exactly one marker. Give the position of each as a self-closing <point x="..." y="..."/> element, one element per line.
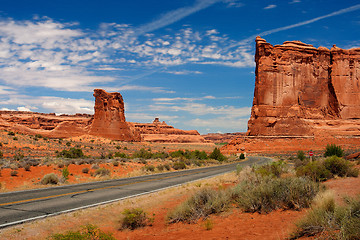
<point x="301" y="90"/>
<point x="109" y="118"/>
<point x="304" y="98"/>
<point x="161" y="132"/>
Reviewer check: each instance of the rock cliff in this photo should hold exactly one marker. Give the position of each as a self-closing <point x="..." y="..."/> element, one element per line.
<point x="301" y="90"/>
<point x="109" y="118"/>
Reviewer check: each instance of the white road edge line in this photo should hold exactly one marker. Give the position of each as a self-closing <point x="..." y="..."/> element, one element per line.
<point x="102" y="203"/>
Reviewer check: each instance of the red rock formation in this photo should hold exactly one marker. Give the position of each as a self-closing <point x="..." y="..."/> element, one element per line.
<point x="301" y="90"/>
<point x="161" y="132"/>
<point x="109" y="118"/>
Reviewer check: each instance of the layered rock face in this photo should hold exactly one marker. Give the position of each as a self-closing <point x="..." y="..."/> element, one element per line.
<point x="161" y="132"/>
<point x="109" y="118"/>
<point x="301" y="90"/>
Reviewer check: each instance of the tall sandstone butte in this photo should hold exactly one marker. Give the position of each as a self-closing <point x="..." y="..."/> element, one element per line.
<point x="109" y="118"/>
<point x="302" y="90"/>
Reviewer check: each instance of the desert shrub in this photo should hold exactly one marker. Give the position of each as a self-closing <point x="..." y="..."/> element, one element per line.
<point x="71" y="153"/>
<point x="1" y="154"/>
<point x="38" y="136"/>
<point x="88" y="232"/>
<point x="315" y="170"/>
<point x="200" y="205"/>
<point x="95" y="166"/>
<point x="135" y="218"/>
<point x="242" y="156"/>
<point x="142" y="153"/>
<point x="161" y="155"/>
<point x="18" y="156"/>
<point x="337" y="166"/>
<point x="274" y="169"/>
<point x="65" y="173"/>
<point x="149" y="168"/>
<point x="179" y="165"/>
<point x="15" y="138"/>
<point x="10" y="133"/>
<point x="27" y="167"/>
<point x="330" y="220"/>
<point x="160" y="167"/>
<point x="332" y="149"/>
<point x="217" y="155"/>
<point x="177" y="154"/>
<point x="120" y="155"/>
<point x="265" y="194"/>
<point x="115" y="163"/>
<point x="85" y="170"/>
<point x="118" y="147"/>
<point x="50" y="178"/>
<point x="167" y="166"/>
<point x="323" y="170"/>
<point x="14" y="173"/>
<point x="301" y="155"/>
<point x="60" y="165"/>
<point x="102" y="172"/>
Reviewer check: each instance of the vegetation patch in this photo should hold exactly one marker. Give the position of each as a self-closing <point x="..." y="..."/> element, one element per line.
<point x="88" y="232"/>
<point x="203" y="203"/>
<point x="135" y="218"/>
<point x="71" y="153"/>
<point x="50" y="178"/>
<point x="331" y="221"/>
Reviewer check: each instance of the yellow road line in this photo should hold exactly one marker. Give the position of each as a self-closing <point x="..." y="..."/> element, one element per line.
<point x="93" y="190"/>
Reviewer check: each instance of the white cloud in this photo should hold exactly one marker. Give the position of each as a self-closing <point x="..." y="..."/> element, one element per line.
<point x="24" y="109"/>
<point x="270" y="6"/>
<point x="184" y="72"/>
<point x="295" y="1"/>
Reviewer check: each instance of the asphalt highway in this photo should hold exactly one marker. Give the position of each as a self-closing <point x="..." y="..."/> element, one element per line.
<point x="22" y="206"/>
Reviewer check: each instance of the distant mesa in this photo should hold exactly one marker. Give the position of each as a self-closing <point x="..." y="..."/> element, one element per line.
<point x="303" y="91"/>
<point x="108" y="122"/>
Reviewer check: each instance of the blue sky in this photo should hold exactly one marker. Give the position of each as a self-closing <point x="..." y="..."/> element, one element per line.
<point x="189" y="62"/>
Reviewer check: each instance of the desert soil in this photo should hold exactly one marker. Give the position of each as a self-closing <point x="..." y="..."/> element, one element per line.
<point x="231" y="225"/>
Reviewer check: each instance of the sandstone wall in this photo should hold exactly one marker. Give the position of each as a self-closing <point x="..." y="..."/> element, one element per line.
<point x="302" y="90"/>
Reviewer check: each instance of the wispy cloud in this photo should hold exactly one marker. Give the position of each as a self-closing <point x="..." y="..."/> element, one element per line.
<point x="303" y="23"/>
<point x="270" y="6"/>
<point x="174" y="16"/>
<point x="295" y="1"/>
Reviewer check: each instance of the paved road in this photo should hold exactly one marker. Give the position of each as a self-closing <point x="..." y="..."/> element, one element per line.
<point x="23" y="206"/>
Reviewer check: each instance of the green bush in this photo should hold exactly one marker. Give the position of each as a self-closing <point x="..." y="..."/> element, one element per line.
<point x="71" y="153"/>
<point x="160" y="167"/>
<point x="315" y="170"/>
<point x="274" y="169"/>
<point x="179" y="165"/>
<point x="301" y="155"/>
<point x="149" y="168"/>
<point x="203" y="203"/>
<point x="242" y="156"/>
<point x="115" y="163"/>
<point x="50" y="178"/>
<point x="68" y="144"/>
<point x="142" y="153"/>
<point x="13" y="173"/>
<point x="217" y="155"/>
<point x="328" y="168"/>
<point x="332" y="149"/>
<point x="65" y="173"/>
<point x="134" y="218"/>
<point x="10" y="133"/>
<point x="88" y="232"/>
<point x="85" y="170"/>
<point x="167" y="167"/>
<point x="1" y="154"/>
<point x="265" y="194"/>
<point x="120" y="155"/>
<point x="326" y="218"/>
<point x="102" y="172"/>
<point x="161" y="155"/>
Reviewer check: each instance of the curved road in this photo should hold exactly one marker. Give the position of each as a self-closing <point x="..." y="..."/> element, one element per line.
<point x="23" y="206"/>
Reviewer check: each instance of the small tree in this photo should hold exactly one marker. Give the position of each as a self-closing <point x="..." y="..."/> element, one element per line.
<point x="217" y="155"/>
<point x="242" y="156"/>
<point x="301" y="155"/>
<point x="65" y="173"/>
<point x="332" y="149"/>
